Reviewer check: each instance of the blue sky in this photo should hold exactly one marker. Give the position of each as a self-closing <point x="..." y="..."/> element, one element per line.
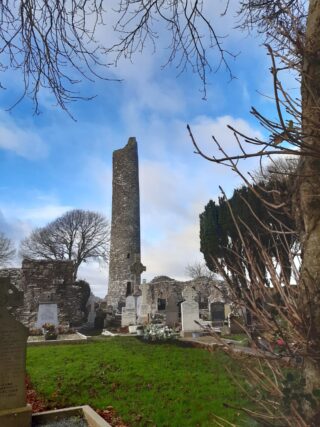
<point x="50" y="163"/>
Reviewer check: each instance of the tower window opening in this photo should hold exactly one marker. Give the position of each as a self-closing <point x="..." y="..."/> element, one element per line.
<point x="129" y="289"/>
<point x="128" y="255"/>
<point x="161" y="304"/>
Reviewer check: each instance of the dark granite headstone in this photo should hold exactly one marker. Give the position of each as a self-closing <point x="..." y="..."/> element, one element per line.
<point x="172" y="311"/>
<point x="13" y="339"/>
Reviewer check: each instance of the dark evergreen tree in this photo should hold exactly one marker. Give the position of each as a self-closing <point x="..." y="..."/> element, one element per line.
<point x="227" y="229"/>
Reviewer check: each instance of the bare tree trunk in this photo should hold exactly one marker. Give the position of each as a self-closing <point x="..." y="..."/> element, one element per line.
<point x="309" y="197"/>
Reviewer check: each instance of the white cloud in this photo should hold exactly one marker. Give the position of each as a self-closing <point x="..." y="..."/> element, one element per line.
<point x="204" y="127"/>
<point x="96" y="275"/>
<point x="174" y="191"/>
<point x="22" y="141"/>
<point x="13" y="228"/>
<point x="170" y="256"/>
<point x="40" y="209"/>
<point x="43" y="214"/>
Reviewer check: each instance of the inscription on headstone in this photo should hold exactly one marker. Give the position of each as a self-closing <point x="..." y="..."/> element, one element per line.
<point x="47" y="313"/>
<point x="13" y="340"/>
<point x="91" y="311"/>
<point x="172" y="311"/>
<point x="129" y="314"/>
<point x="189" y="312"/>
<point x="130" y="302"/>
<point x="144" y="309"/>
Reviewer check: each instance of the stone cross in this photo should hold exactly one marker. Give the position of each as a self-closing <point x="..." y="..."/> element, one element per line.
<point x="189" y="294"/>
<point x="136" y="269"/>
<point x="9" y="295"/>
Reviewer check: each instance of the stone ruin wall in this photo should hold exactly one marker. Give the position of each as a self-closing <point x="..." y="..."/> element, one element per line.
<point x="162" y="287"/>
<point x="125" y="225"/>
<point x="41" y="281"/>
<point x="15" y="275"/>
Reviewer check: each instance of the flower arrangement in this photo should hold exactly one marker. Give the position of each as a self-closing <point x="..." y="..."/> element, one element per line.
<point x="279" y="347"/>
<point x="50" y="332"/>
<point x="154" y="332"/>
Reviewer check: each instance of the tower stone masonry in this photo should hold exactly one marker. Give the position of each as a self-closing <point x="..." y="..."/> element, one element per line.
<point x="125" y="266"/>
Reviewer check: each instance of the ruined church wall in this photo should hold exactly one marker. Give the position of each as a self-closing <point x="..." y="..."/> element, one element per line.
<point x="207" y="289"/>
<point x="15" y="275"/>
<point x="41" y="281"/>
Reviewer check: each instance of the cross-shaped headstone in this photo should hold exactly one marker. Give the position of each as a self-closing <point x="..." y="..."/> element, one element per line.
<point x="9" y="294"/>
<point x="137" y="268"/>
<point x="189" y="294"/>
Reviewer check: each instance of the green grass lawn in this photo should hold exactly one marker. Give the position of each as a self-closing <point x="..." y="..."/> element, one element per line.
<point x="147" y="384"/>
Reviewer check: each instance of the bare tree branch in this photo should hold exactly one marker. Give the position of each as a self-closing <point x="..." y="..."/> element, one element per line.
<point x="7" y="250"/>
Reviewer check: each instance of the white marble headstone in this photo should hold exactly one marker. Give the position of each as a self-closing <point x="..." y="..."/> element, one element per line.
<point x="144" y="308"/>
<point x="130" y="302"/>
<point x="47" y="313"/>
<point x="139" y="301"/>
<point x="129" y="313"/>
<point x="189" y="312"/>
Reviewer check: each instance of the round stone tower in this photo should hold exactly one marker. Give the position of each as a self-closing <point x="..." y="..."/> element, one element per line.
<point x="125" y="266"/>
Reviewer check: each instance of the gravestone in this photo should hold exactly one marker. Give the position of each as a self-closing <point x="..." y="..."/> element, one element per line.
<point x="138" y="304"/>
<point x="13" y="341"/>
<point x="144" y="309"/>
<point x="217" y="313"/>
<point x="91" y="307"/>
<point x="47" y="313"/>
<point x="172" y="311"/>
<point x="136" y="269"/>
<point x="189" y="312"/>
<point x="129" y="313"/>
<point x="130" y="303"/>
